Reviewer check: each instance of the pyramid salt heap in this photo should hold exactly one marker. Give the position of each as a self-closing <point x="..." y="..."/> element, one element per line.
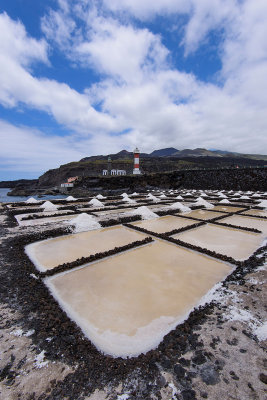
<point x="83" y="223"/>
<point x="152" y="198"/>
<point x="100" y="197"/>
<point x="224" y="201"/>
<point x="70" y="198"/>
<point x="31" y="200"/>
<point x="263" y="204"/>
<point x="95" y="203"/>
<point x="145" y="213"/>
<point x="179" y="206"/>
<point x="204" y="203"/>
<point x="48" y="206"/>
<point x="127" y="199"/>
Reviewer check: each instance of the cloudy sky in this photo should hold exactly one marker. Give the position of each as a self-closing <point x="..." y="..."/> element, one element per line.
<point x="80" y="77"/>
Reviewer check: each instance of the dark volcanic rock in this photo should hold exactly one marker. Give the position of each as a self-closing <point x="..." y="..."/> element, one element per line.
<point x="209" y="375"/>
<point x="263" y="378"/>
<point x="189" y="394"/>
<point x="179" y="371"/>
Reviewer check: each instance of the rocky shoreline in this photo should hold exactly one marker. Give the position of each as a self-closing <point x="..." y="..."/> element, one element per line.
<point x="205" y="357"/>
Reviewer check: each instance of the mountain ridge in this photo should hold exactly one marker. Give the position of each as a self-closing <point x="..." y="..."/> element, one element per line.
<point x="173" y="152"/>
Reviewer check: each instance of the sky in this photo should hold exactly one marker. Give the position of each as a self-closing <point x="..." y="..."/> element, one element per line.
<point x="81" y="78"/>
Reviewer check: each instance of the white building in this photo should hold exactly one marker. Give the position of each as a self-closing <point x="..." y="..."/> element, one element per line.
<point x="118" y="172"/>
<point x="67" y="184"/>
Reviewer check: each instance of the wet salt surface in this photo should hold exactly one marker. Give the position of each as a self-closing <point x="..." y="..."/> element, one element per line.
<point x="231" y="242"/>
<point x="126" y="304"/>
<point x="47" y="254"/>
<point x="257" y="213"/>
<point x="164" y="224"/>
<point x="203" y="214"/>
<point x="247" y="222"/>
<point x="227" y="209"/>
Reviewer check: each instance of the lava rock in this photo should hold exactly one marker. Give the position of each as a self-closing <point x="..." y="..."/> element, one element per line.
<point x="209" y="375"/>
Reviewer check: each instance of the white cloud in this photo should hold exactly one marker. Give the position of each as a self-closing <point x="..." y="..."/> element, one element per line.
<point x="121" y="51"/>
<point x="27" y="149"/>
<point x="15" y="43"/>
<point x="18" y="85"/>
<point x="30" y="150"/>
<point x="147" y="9"/>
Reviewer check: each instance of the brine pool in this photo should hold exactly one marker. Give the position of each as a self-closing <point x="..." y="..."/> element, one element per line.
<point x="49" y="253"/>
<point x="164" y="224"/>
<point x="234" y="243"/>
<point x="126" y="304"/>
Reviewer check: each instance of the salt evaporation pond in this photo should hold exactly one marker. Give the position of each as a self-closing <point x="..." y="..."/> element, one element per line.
<point x="164" y="224"/>
<point x="228" y="241"/>
<point x="45" y="220"/>
<point x="116" y="211"/>
<point x="204" y="214"/>
<point x="257" y="213"/>
<point x="126" y="304"/>
<point x="227" y="209"/>
<point x="47" y="254"/>
<point x="247" y="222"/>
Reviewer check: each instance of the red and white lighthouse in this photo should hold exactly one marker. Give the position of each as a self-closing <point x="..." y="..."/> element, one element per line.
<point x="136" y="170"/>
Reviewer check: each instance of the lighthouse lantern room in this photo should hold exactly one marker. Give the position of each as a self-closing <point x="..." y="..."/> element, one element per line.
<point x="136" y="170"/>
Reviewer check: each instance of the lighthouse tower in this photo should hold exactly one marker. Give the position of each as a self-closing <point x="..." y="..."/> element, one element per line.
<point x="136" y="170"/>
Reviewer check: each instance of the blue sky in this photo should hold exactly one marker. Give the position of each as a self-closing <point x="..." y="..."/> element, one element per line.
<point x="80" y="78"/>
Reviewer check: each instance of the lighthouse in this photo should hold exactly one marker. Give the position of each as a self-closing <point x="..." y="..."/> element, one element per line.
<point x="136" y="170"/>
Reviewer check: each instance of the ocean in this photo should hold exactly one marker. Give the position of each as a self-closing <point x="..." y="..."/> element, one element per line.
<point x="13" y="199"/>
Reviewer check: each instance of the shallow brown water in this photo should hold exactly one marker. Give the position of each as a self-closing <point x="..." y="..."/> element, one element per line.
<point x="231" y="242"/>
<point x="127" y="303"/>
<point x="49" y="253"/>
